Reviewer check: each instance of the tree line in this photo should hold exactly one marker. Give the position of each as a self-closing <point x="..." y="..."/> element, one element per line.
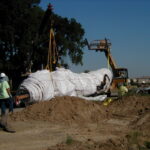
<point x="24" y="36"/>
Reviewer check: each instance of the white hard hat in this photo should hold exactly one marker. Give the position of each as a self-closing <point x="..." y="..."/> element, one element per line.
<point x="2" y="75"/>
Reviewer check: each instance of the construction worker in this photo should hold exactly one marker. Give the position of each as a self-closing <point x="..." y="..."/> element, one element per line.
<point x="5" y="99"/>
<point x="5" y="94"/>
<point x="122" y="90"/>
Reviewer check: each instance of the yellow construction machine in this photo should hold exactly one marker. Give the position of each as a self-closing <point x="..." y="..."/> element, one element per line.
<point x="120" y="75"/>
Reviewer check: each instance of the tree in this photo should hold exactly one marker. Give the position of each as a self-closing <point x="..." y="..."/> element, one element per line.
<point x="18" y="27"/>
<point x="68" y="34"/>
<point x="21" y="39"/>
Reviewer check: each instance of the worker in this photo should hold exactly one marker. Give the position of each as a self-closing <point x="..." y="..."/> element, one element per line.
<point x="5" y="99"/>
<point x="5" y="94"/>
<point x="122" y="90"/>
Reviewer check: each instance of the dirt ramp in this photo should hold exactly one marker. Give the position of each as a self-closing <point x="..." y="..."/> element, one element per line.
<point x="63" y="109"/>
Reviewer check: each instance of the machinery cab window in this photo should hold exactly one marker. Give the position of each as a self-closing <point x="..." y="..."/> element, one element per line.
<point x="121" y="73"/>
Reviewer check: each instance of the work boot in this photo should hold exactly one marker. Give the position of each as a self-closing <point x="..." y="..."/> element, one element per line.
<point x="8" y="128"/>
<point x="4" y="124"/>
<point x="3" y="121"/>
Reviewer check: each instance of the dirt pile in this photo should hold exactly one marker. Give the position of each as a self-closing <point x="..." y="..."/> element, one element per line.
<point x="63" y="109"/>
<point x="136" y="108"/>
<point x="76" y="110"/>
<point x="131" y="106"/>
<point x="71" y="123"/>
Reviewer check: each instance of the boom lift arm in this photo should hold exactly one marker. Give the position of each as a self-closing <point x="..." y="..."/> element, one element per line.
<point x="120" y="74"/>
<point x="103" y="46"/>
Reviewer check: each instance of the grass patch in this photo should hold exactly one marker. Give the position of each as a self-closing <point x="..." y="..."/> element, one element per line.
<point x="69" y="140"/>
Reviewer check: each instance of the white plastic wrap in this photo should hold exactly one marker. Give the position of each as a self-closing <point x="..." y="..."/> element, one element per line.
<point x="44" y="85"/>
<point x="39" y="85"/>
<point x="61" y="82"/>
<point x="96" y="98"/>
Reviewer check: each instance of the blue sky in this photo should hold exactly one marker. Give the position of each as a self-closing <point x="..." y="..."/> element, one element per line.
<point x="125" y="22"/>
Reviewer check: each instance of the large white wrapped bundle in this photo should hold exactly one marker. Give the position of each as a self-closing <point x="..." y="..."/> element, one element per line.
<point x="61" y="82"/>
<point x="84" y="83"/>
<point x="39" y="85"/>
<point x="44" y="85"/>
<point x="99" y="77"/>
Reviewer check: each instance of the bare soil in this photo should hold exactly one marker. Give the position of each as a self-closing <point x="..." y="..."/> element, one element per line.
<point x="71" y="123"/>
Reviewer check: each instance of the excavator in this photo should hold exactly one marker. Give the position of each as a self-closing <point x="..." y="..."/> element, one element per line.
<point x="120" y="75"/>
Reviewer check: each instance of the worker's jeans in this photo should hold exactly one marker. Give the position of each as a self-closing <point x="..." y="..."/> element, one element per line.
<point x="4" y="103"/>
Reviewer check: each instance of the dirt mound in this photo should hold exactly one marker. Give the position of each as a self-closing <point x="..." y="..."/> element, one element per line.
<point x="131" y="106"/>
<point x="63" y="109"/>
<point x="135" y="108"/>
<point x="71" y="123"/>
<point x="73" y="109"/>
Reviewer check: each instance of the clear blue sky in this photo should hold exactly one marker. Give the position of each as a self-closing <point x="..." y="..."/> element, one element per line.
<point x="125" y="22"/>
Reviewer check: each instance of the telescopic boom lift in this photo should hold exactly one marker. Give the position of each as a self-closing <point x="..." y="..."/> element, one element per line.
<point x="120" y="74"/>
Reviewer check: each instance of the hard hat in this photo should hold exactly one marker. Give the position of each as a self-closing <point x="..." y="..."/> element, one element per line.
<point x="2" y="75"/>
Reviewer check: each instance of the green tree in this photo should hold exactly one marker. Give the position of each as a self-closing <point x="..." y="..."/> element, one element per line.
<point x="22" y="37"/>
<point x="68" y="35"/>
<point x="18" y="25"/>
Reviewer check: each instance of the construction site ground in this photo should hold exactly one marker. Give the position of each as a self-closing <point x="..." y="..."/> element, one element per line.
<point x="71" y="123"/>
